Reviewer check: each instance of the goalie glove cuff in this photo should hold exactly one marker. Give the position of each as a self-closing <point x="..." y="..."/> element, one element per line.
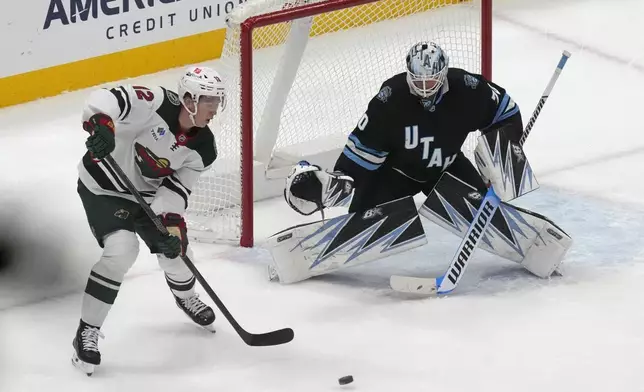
<point x="310" y="189"/>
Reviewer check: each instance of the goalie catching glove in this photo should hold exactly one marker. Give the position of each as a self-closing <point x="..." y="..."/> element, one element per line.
<point x="176" y="243"/>
<point x="310" y="189"/>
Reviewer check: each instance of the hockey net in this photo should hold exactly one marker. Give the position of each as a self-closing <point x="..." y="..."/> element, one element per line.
<point x="300" y="73"/>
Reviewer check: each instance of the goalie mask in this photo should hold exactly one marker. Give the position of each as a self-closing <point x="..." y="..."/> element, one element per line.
<point x="205" y="87"/>
<point x="427" y="67"/>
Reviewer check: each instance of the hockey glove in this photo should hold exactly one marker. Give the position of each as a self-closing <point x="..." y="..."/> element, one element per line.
<point x="100" y="142"/>
<point x="176" y="243"/>
<point x="310" y="189"/>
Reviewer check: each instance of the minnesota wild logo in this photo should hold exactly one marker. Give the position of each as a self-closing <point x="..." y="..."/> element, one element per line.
<point x="150" y="164"/>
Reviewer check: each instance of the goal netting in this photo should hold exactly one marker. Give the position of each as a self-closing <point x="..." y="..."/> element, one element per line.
<point x="300" y="74"/>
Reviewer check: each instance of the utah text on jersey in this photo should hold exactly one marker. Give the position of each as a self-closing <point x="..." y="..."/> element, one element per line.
<point x="411" y="142"/>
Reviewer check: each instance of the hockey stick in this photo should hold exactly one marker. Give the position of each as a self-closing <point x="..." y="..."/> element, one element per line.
<point x="544" y="97"/>
<point x="448" y="281"/>
<point x="272" y="338"/>
<point x="479" y="223"/>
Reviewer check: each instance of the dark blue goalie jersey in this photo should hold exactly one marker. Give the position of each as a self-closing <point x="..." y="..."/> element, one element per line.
<point x="402" y="132"/>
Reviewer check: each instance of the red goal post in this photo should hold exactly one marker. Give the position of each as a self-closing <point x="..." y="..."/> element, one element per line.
<point x="267" y="58"/>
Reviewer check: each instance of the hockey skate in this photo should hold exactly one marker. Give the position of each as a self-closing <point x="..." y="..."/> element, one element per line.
<point x="197" y="311"/>
<point x="86" y="355"/>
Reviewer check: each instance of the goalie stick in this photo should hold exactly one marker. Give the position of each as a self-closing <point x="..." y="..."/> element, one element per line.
<point x="272" y="338"/>
<point x="544" y="97"/>
<point x="449" y="280"/>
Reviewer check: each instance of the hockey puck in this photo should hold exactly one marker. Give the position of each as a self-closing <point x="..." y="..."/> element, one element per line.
<point x="345" y="380"/>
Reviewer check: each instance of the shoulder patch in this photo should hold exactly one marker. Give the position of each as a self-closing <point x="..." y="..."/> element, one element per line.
<point x="172" y="97"/>
<point x="169" y="111"/>
<point x="471" y="81"/>
<point x="384" y="94"/>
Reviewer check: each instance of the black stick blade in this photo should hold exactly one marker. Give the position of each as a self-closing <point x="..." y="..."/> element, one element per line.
<point x="272" y="338"/>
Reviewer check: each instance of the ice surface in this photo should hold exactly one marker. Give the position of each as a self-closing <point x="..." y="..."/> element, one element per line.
<point x="502" y="330"/>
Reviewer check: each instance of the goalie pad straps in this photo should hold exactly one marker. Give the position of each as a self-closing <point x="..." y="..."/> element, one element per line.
<point x="503" y="164"/>
<point x="310" y="189"/>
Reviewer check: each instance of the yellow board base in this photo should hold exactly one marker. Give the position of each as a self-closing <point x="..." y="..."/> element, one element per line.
<point x="161" y="56"/>
<point x="157" y="57"/>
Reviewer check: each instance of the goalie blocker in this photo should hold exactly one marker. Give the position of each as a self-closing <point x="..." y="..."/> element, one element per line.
<point x="523" y="236"/>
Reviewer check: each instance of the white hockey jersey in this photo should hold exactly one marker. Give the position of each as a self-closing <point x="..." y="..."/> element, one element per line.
<point x="162" y="162"/>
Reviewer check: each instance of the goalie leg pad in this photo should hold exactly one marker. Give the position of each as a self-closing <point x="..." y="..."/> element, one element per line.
<point x="547" y="252"/>
<point x="321" y="247"/>
<point x="516" y="234"/>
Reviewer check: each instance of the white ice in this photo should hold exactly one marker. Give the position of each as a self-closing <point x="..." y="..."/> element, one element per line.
<point x="502" y="330"/>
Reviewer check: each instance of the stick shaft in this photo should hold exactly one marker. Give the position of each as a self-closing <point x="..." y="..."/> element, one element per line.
<point x="546" y="93"/>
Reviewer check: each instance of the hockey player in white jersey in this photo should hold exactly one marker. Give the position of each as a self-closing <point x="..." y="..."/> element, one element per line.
<point x="162" y="141"/>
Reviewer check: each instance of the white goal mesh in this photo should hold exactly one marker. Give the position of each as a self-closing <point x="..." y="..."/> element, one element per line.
<point x="311" y="81"/>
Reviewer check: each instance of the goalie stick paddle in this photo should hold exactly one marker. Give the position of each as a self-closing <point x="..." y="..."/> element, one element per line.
<point x="272" y="338"/>
<point x="448" y="281"/>
<point x="428" y="286"/>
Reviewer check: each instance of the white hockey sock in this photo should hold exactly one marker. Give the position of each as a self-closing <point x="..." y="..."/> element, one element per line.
<point x="120" y="252"/>
<point x="179" y="278"/>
